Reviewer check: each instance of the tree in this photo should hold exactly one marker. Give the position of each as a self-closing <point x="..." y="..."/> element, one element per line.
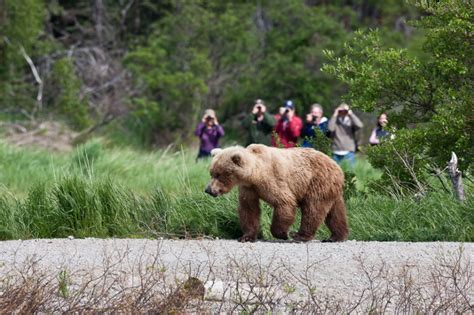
<point x="21" y="23"/>
<point x="433" y="92"/>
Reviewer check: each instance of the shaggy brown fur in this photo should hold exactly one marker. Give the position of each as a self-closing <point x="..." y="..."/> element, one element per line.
<point x="285" y="179"/>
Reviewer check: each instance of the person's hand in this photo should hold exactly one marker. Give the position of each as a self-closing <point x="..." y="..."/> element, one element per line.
<point x="281" y="111"/>
<point x="259" y="109"/>
<point x="204" y="120"/>
<point x="309" y="118"/>
<point x="342" y="108"/>
<point x="214" y="121"/>
<point x="291" y="114"/>
<point x="254" y="110"/>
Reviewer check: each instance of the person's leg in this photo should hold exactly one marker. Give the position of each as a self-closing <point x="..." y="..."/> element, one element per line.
<point x="350" y="157"/>
<point x="337" y="158"/>
<point x="202" y="154"/>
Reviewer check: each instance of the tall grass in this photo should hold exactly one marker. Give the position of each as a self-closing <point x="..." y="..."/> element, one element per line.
<point x="99" y="192"/>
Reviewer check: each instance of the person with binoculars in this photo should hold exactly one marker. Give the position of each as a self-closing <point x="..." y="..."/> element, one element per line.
<point x="288" y="128"/>
<point x="259" y="124"/>
<point x="315" y="121"/>
<point x="342" y="128"/>
<point x="209" y="131"/>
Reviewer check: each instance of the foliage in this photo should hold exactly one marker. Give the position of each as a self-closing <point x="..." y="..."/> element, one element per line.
<point x="434" y="92"/>
<point x="181" y="56"/>
<point x="320" y="141"/>
<point x="68" y="102"/>
<point x="360" y="178"/>
<point x="21" y="22"/>
<point x="234" y="53"/>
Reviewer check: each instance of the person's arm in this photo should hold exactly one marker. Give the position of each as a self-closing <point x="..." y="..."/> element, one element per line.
<point x="357" y="123"/>
<point x="373" y="137"/>
<point x="220" y="131"/>
<point x="199" y="129"/>
<point x="295" y="127"/>
<point x="247" y="121"/>
<point x="269" y="120"/>
<point x="332" y="124"/>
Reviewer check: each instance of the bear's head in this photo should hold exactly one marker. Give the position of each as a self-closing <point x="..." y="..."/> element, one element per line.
<point x="229" y="167"/>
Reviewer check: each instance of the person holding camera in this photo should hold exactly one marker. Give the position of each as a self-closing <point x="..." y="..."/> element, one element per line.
<point x="259" y="124"/>
<point x="209" y="131"/>
<point x="342" y="128"/>
<point x="288" y="128"/>
<point x="314" y="121"/>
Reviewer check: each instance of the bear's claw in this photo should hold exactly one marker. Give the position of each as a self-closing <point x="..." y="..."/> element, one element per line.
<point x="300" y="238"/>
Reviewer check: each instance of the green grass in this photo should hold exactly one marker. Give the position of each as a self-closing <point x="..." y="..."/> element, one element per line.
<point x="97" y="191"/>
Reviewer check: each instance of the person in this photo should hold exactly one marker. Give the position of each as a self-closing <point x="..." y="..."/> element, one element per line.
<point x="314" y="120"/>
<point x="378" y="133"/>
<point x="259" y="124"/>
<point x="342" y="128"/>
<point x="288" y="127"/>
<point x="209" y="131"/>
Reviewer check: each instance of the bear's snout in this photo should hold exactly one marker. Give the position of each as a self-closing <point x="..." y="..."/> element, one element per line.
<point x="209" y="191"/>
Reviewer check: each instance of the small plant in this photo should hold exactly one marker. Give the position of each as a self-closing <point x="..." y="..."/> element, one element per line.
<point x="320" y="142"/>
<point x="63" y="283"/>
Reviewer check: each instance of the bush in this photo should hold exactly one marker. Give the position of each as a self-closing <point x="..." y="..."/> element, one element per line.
<point x="68" y="102"/>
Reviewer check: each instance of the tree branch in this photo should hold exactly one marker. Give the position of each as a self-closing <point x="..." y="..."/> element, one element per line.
<point x="39" y="97"/>
<point x="456" y="177"/>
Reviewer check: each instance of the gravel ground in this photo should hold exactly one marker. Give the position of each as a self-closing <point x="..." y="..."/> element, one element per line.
<point x="340" y="270"/>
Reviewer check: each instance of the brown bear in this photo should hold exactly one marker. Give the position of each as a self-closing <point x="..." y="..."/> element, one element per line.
<point x="285" y="179"/>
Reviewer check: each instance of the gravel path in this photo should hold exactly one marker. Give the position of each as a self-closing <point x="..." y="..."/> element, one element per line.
<point x="340" y="270"/>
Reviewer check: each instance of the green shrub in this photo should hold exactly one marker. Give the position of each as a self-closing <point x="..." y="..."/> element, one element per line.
<point x="320" y="142"/>
<point x="68" y="102"/>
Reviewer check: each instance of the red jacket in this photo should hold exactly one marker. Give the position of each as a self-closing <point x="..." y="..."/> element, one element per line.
<point x="287" y="131"/>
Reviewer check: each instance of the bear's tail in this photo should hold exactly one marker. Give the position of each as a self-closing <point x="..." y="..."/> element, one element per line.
<point x="336" y="221"/>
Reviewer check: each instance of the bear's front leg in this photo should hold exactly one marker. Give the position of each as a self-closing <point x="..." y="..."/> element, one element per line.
<point x="249" y="214"/>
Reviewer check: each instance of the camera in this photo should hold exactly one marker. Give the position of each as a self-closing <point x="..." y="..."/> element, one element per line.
<point x="287" y="111"/>
<point x="315" y="119"/>
<point x="259" y="108"/>
<point x="343" y="111"/>
<point x="208" y="117"/>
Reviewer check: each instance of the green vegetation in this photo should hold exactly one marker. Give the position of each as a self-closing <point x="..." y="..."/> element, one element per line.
<point x="151" y="67"/>
<point x="100" y="192"/>
<point x="432" y="92"/>
<point x="145" y="70"/>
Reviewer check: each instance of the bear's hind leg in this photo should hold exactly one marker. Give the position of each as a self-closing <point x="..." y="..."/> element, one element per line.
<point x="312" y="216"/>
<point x="249" y="214"/>
<point x="336" y="221"/>
<point x="283" y="218"/>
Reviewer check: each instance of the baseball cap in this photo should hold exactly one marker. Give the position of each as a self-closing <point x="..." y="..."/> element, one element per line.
<point x="289" y="104"/>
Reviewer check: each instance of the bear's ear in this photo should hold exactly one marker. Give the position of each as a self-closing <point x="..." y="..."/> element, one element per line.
<point x="237" y="159"/>
<point x="215" y="151"/>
